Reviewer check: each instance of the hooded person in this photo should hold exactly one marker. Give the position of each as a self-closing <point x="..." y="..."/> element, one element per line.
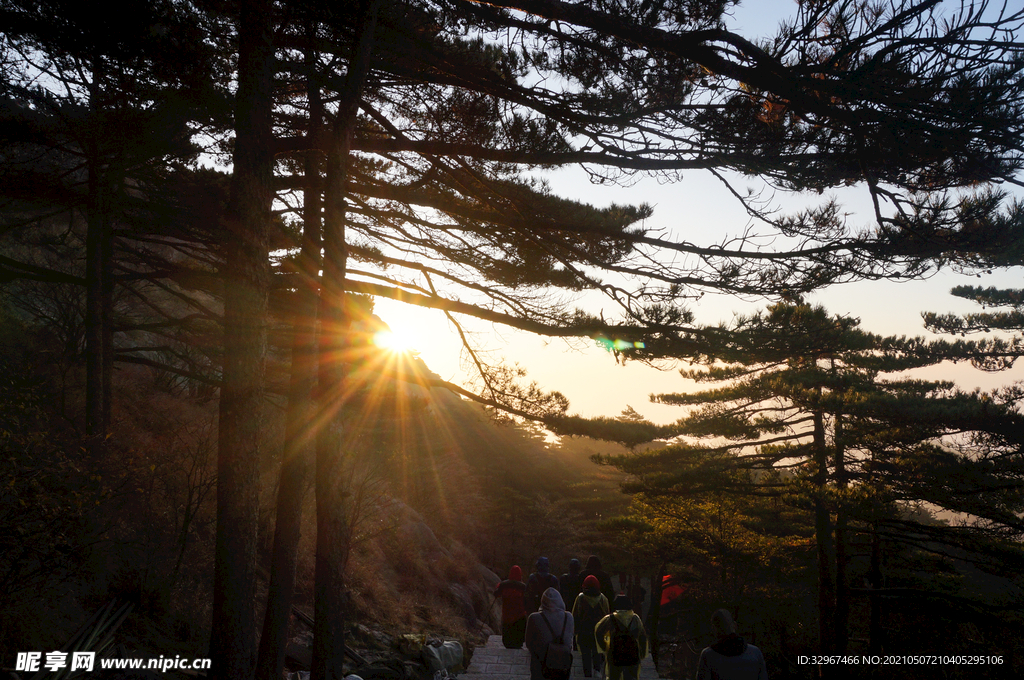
<point x="571" y="583"/>
<point x="552" y="624"/>
<point x="622" y="638"/>
<point x="637" y="594"/>
<point x="593" y="568"/>
<point x="730" y="658"/>
<point x="539" y="581"/>
<point x="589" y="608"/>
<point x="513" y="612"/>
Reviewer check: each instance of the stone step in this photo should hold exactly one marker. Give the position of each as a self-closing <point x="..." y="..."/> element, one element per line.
<point x="494" y="662"/>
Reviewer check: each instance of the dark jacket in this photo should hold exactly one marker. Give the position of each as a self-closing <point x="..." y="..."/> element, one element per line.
<point x="539" y="581"/>
<point x="731" y="658"/>
<point x="570" y="584"/>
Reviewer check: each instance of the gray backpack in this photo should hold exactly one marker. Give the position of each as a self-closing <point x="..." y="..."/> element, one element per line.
<point x="557" y="661"/>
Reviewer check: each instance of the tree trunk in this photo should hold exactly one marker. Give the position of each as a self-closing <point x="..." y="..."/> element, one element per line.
<point x="246" y="283"/>
<point x="823" y="536"/>
<point x="297" y="462"/>
<point x="331" y="522"/>
<point x="96" y="271"/>
<point x="102" y="184"/>
<point x="875" y="576"/>
<point x="332" y="525"/>
<point x="842" y="590"/>
<point x="107" y="316"/>
<point x="654" y="615"/>
<point x="112" y="205"/>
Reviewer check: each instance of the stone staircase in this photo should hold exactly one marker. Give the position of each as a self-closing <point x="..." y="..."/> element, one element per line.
<point x="494" y="662"/>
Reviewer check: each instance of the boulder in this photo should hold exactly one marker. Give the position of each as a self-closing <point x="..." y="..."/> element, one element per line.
<point x="464" y="600"/>
<point x="422" y="540"/>
<point x="490" y="579"/>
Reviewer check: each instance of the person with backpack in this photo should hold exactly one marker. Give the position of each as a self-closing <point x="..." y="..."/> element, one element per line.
<point x="590" y="607"/>
<point x="593" y="568"/>
<point x="730" y="658"/>
<point x="539" y="581"/>
<point x="621" y="636"/>
<point x="549" y="634"/>
<point x="513" y="612"/>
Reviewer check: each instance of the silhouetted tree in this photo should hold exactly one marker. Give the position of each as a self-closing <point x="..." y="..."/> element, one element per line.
<point x="1007" y="315"/>
<point x="97" y="110"/>
<point x="804" y="408"/>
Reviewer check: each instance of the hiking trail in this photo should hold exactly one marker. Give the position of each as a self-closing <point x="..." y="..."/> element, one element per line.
<point x="494" y="662"/>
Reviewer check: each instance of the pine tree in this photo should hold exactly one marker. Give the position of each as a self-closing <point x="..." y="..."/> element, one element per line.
<point x="97" y="110"/>
<point x="806" y="412"/>
<point x="1008" y="316"/>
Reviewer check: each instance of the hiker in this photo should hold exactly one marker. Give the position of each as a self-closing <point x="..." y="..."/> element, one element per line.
<point x="593" y="568"/>
<point x="571" y="583"/>
<point x="549" y="634"/>
<point x="730" y="658"/>
<point x="590" y="607"/>
<point x="539" y="581"/>
<point x="513" y="613"/>
<point x="637" y="594"/>
<point x="622" y="638"/>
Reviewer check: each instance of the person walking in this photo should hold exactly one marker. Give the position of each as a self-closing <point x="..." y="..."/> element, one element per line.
<point x="587" y="611"/>
<point x="513" y="611"/>
<point x="730" y="658"/>
<point x="593" y="568"/>
<point x="570" y="584"/>
<point x="637" y="594"/>
<point x="622" y="638"/>
<point x="549" y="634"/>
<point x="539" y="581"/>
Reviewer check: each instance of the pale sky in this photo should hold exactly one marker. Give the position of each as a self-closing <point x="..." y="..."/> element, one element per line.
<point x="590" y="377"/>
<point x="700" y="209"/>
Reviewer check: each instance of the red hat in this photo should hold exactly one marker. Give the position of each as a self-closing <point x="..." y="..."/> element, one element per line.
<point x="591" y="582"/>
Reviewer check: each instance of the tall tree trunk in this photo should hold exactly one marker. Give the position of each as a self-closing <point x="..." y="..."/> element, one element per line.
<point x="297" y="463"/>
<point x="654" y="614"/>
<point x="842" y="590"/>
<point x="331" y="522"/>
<point x="823" y="536"/>
<point x="875" y="576"/>
<point x="99" y="261"/>
<point x="96" y="271"/>
<point x="114" y="183"/>
<point x="246" y="283"/>
<point x="332" y="525"/>
<point x="875" y="573"/>
<point x="107" y="316"/>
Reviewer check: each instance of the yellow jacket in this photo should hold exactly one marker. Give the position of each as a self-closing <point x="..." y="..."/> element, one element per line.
<point x="631" y="622"/>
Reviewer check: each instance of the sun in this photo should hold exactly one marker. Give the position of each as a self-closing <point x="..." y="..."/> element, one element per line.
<point x="394" y="342"/>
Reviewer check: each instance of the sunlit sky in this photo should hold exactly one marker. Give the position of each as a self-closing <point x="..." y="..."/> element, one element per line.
<point x="700" y="209"/>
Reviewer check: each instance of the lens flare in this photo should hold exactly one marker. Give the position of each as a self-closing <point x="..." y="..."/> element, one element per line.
<point x="617" y="345"/>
